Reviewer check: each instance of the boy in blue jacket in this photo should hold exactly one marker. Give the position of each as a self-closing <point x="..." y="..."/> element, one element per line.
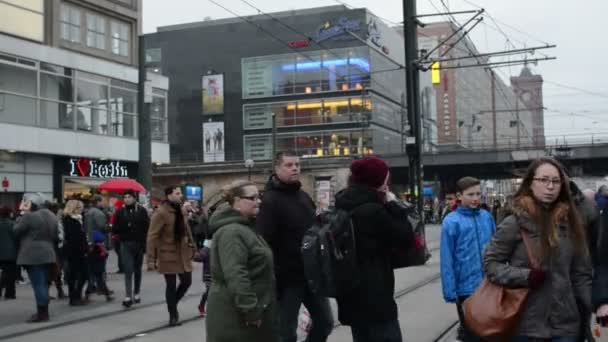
<point x="464" y="236"/>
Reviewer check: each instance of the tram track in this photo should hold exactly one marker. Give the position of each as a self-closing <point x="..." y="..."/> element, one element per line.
<point x="398" y="294"/>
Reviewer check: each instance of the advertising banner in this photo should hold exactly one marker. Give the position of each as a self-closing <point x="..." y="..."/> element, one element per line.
<point x="213" y="142"/>
<point x="213" y="94"/>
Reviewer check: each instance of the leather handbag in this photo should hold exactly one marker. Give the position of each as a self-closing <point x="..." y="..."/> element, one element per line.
<point x="493" y="311"/>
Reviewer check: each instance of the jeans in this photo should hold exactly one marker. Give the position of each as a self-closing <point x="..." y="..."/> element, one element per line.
<point x="377" y="332"/>
<point x="77" y="274"/>
<point x="39" y="276"/>
<point x="132" y="261"/>
<point x="174" y="293"/>
<point x="464" y="334"/>
<point x="552" y="339"/>
<point x="9" y="276"/>
<point x="318" y="307"/>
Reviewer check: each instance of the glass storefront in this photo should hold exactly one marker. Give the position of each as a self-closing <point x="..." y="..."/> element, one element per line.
<point x="306" y="73"/>
<point x="74" y="100"/>
<point x="307" y="112"/>
<point x="312" y="144"/>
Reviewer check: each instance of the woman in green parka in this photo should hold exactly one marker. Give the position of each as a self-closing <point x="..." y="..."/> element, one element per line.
<point x="242" y="300"/>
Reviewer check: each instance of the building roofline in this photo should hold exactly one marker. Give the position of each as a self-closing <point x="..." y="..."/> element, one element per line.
<point x="234" y="20"/>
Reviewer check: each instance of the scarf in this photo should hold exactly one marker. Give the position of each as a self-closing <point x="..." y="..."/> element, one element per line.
<point x="180" y="226"/>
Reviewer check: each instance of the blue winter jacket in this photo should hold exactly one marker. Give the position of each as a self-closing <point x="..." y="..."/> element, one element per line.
<point x="464" y="236"/>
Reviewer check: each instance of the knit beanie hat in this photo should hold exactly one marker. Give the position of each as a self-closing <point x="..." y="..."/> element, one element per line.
<point x="370" y="171"/>
<point x="98" y="237"/>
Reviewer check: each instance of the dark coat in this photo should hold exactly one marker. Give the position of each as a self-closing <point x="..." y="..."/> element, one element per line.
<point x="38" y="234"/>
<point x="286" y="213"/>
<point x="243" y="286"/>
<point x="75" y="245"/>
<point x="590" y="215"/>
<point x="600" y="280"/>
<point x="551" y="310"/>
<point x="378" y="228"/>
<point x="8" y="244"/>
<point x="131" y="223"/>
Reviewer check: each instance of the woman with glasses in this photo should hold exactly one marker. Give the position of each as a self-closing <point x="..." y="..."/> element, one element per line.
<point x="560" y="278"/>
<point x="242" y="301"/>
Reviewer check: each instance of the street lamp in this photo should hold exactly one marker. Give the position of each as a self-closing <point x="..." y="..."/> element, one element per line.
<point x="249" y="164"/>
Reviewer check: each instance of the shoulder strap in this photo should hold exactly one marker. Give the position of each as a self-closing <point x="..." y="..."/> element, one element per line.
<point x="529" y="249"/>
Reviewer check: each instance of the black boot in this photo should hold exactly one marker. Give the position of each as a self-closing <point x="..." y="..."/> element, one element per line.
<point x="174" y="318"/>
<point x="42" y="315"/>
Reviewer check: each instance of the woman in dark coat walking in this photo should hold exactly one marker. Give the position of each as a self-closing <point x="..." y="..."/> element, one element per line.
<point x="75" y="249"/>
<point x="560" y="287"/>
<point x="242" y="303"/>
<point x="8" y="254"/>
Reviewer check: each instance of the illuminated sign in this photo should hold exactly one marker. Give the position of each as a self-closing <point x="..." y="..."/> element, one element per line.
<point x="360" y="62"/>
<point x="435" y="73"/>
<point x="194" y="192"/>
<point x="331" y="30"/>
<point x="297" y="44"/>
<point x="97" y="169"/>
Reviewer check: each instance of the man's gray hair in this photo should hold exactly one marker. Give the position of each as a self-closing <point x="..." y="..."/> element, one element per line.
<point x="38" y="199"/>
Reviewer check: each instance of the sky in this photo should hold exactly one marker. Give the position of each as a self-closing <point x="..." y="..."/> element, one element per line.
<point x="575" y="88"/>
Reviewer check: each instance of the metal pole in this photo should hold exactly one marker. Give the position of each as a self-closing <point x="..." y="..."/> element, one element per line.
<point x="517" y="117"/>
<point x="414" y="150"/>
<point x="144" y="171"/>
<point x="274" y="136"/>
<point x="493" y="96"/>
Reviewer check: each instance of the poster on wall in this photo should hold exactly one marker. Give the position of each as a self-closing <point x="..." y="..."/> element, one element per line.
<point x="213" y="94"/>
<point x="213" y="142"/>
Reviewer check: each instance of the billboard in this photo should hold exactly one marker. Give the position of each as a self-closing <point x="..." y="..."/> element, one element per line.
<point x="213" y="94"/>
<point x="213" y="142"/>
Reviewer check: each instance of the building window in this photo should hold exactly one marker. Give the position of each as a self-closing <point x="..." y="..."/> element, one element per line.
<point x="120" y="38"/>
<point x="340" y="70"/>
<point x="70" y="23"/>
<point x="96" y="31"/>
<point x="23" y="18"/>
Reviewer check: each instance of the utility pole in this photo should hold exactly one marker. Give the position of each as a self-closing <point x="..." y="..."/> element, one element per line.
<point x="493" y="96"/>
<point x="412" y="80"/>
<point x="274" y="138"/>
<point x="144" y="98"/>
<point x="517" y="117"/>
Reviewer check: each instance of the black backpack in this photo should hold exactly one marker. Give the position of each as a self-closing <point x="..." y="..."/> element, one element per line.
<point x="329" y="254"/>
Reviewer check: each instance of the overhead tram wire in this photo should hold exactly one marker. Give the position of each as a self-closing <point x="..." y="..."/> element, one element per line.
<point x="510" y="26"/>
<point x="501" y="90"/>
<point x="284" y="43"/>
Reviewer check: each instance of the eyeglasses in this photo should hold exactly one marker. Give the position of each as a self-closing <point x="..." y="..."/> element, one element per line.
<point x="251" y="198"/>
<point x="547" y="181"/>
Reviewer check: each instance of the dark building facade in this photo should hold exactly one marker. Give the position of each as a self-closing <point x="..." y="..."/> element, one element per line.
<point x="331" y="77"/>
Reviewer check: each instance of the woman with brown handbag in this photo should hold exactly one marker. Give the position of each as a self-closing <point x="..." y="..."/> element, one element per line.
<point x="560" y="281"/>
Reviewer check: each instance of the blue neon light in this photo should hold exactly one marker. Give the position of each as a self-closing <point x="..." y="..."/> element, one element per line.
<point x="360" y="62"/>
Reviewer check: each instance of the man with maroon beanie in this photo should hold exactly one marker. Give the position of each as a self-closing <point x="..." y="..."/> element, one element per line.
<point x="380" y="228"/>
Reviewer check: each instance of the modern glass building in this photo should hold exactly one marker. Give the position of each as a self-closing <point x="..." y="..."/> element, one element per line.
<point x="330" y="77"/>
<point x="68" y="96"/>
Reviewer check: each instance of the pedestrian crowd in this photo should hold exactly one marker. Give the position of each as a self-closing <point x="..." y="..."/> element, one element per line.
<point x="543" y="253"/>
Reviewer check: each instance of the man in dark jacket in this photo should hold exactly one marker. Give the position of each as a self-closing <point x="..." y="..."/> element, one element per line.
<point x="285" y="215"/>
<point x="590" y="216"/>
<point x="131" y="225"/>
<point x="379" y="226"/>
